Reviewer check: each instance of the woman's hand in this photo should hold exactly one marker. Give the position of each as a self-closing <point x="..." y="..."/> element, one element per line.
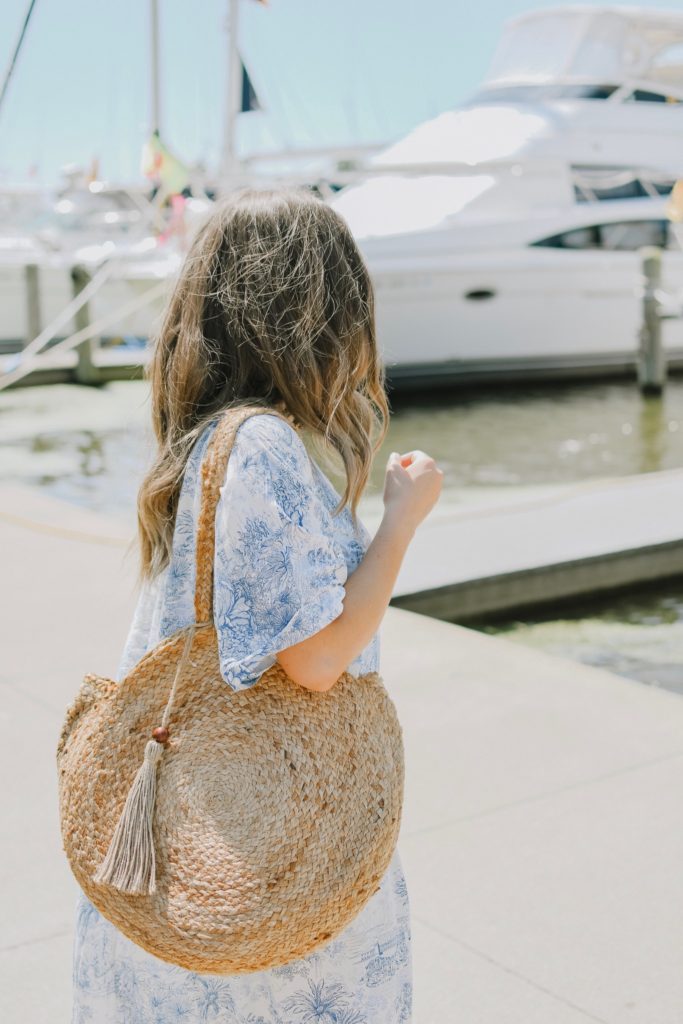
<point x="412" y="486"/>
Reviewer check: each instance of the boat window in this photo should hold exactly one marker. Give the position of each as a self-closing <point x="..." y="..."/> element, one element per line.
<point x="620" y="236"/>
<point x="633" y="189"/>
<point x="536" y="93"/>
<point x="578" y="238"/>
<point x="603" y="183"/>
<point x="663" y="188"/>
<point x="630" y="235"/>
<point x="647" y="96"/>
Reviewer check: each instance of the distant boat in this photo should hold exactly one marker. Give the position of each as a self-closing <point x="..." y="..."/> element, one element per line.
<point x="45" y="233"/>
<point x="503" y="236"/>
<point x="48" y="233"/>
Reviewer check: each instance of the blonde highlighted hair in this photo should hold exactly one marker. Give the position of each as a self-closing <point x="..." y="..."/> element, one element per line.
<point x="273" y="305"/>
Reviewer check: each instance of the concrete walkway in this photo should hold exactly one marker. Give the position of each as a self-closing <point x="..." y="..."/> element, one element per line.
<point x="542" y="837"/>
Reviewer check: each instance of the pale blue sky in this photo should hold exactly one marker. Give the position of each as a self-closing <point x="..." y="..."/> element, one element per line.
<point x="329" y="73"/>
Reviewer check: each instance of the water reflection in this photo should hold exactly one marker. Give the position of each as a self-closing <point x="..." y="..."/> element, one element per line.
<point x="85" y="445"/>
<point x="653" y="431"/>
<point x="544" y="434"/>
<point x="90" y="446"/>
<point x="639" y="636"/>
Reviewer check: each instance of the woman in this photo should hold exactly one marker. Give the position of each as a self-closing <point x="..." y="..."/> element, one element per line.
<point x="274" y="305"/>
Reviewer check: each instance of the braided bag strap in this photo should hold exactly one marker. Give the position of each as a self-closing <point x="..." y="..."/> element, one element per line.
<point x="130" y="861"/>
<point x="213" y="472"/>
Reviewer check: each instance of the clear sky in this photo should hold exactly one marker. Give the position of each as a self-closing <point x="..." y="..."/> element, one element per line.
<point x="327" y="72"/>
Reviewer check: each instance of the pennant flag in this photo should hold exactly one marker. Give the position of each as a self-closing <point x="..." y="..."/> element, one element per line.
<point x="250" y="100"/>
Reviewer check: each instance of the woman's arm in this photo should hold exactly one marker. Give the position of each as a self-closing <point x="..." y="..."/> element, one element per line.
<point x="317" y="662"/>
<point x="411" y="488"/>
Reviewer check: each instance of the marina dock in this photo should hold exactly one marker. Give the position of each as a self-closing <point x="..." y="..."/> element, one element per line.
<point x="541" y="836"/>
<point x="108" y="363"/>
<point x="573" y="541"/>
<point x="509" y="246"/>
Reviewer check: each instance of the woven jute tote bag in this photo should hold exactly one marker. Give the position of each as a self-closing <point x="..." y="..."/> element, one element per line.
<point x="227" y="832"/>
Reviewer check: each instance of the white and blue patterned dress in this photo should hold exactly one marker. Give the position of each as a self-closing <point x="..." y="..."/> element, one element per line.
<point x="281" y="562"/>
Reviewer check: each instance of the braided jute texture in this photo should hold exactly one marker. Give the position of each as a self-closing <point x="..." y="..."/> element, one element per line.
<point x="277" y="808"/>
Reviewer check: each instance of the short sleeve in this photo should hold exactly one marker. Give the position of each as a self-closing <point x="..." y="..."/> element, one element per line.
<point x="279" y="574"/>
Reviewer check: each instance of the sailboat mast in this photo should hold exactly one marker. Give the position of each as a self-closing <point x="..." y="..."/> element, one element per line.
<point x="154" y="64"/>
<point x="17" y="50"/>
<point x="233" y="94"/>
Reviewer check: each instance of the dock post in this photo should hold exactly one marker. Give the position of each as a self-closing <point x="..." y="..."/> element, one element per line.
<point x="33" y="313"/>
<point x="85" y="372"/>
<point x="651" y="361"/>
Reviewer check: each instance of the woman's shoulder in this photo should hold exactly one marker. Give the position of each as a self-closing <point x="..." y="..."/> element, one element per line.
<point x="269" y="427"/>
<point x="261" y="439"/>
<point x="268" y="439"/>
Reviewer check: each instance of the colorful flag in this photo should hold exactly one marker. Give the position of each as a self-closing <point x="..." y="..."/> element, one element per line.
<point x="161" y="166"/>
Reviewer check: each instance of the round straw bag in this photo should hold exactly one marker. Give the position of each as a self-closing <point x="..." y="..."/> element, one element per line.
<point x="223" y="831"/>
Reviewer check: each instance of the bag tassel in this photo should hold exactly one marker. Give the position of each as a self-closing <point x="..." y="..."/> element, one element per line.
<point x="130" y="863"/>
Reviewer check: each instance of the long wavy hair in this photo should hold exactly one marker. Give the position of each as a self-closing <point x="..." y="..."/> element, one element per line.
<point x="273" y="305"/>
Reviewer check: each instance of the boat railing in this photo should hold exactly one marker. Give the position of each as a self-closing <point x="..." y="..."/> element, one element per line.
<point x="33" y="356"/>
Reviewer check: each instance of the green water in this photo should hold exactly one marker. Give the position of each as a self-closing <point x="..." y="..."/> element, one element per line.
<point x="639" y="636"/>
<point x="90" y="446"/>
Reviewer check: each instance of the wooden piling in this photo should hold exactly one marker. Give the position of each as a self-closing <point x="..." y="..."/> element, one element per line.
<point x="651" y="360"/>
<point x="85" y="371"/>
<point x="33" y="311"/>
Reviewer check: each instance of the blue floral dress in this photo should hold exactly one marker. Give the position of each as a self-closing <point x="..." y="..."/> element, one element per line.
<point x="281" y="562"/>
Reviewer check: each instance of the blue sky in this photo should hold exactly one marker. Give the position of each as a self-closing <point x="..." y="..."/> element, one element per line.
<point x="328" y="73"/>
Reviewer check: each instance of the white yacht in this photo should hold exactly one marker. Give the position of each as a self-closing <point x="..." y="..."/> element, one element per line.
<point x="503" y="236"/>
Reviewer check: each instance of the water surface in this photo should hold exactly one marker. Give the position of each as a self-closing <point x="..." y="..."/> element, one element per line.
<point x="639" y="636"/>
<point x="90" y="446"/>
